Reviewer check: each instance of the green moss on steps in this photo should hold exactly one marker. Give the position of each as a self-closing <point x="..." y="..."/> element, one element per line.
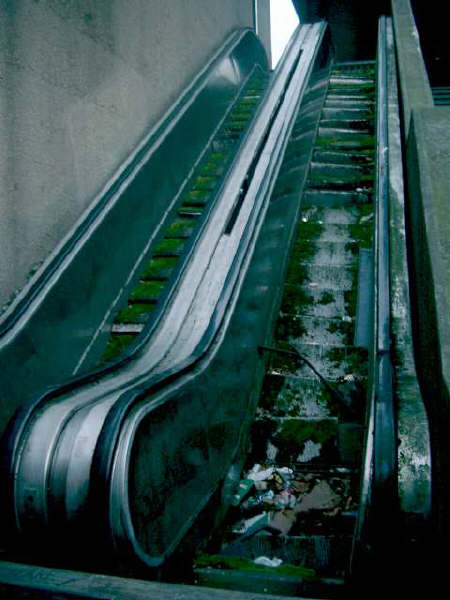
<point x="159" y="268"/>
<point x="359" y="142"/>
<point x="196" y="197"/>
<point x="289" y="327"/>
<point x="180" y="228"/>
<point x="295" y="432"/>
<point x="170" y="247"/>
<point x="217" y="561"/>
<point x="147" y="291"/>
<point x="295" y="298"/>
<point x="326" y="298"/>
<point x="117" y="343"/>
<point x="204" y="183"/>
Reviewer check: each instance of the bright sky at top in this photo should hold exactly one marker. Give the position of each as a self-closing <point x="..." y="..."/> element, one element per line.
<point x="283" y="21"/>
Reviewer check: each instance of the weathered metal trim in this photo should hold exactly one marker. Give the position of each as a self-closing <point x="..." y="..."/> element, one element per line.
<point x="378" y="501"/>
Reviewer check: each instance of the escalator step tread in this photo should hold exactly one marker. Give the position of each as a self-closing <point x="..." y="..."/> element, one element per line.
<point x="159" y="268"/>
<point x="147" y="291"/>
<point x="117" y="344"/>
<point x="127" y="328"/>
<point x="170" y="247"/>
<point x="180" y="228"/>
<point x="344" y="157"/>
<point x="135" y="313"/>
<point x="314" y="197"/>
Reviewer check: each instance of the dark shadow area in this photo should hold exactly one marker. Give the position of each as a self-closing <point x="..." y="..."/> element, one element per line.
<point x="432" y="27"/>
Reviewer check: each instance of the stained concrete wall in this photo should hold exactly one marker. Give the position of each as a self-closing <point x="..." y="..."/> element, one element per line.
<point x="428" y="165"/>
<point x="426" y="135"/>
<point x="263" y="25"/>
<point x="80" y="84"/>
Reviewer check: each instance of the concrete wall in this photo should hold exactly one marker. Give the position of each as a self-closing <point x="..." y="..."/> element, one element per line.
<point x="80" y="84"/>
<point x="428" y="165"/>
<point x="263" y="25"/>
<point x="426" y="135"/>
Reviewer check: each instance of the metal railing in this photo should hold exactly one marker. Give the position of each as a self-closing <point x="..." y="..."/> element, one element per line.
<point x="378" y="506"/>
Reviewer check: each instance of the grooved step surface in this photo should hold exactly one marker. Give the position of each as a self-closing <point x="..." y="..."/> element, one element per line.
<point x="342" y="157"/>
<point x="178" y="230"/>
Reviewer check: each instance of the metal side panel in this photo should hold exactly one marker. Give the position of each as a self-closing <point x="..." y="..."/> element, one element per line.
<point x="52" y="322"/>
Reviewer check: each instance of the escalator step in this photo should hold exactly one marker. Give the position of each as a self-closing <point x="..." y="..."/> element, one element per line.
<point x="342" y="134"/>
<point x="352" y="81"/>
<point x="159" y="268"/>
<point x="345" y="215"/>
<point x="189" y="211"/>
<point x="344" y="157"/>
<point x="289" y="434"/>
<point x="135" y="313"/>
<point x="349" y="101"/>
<point x="197" y="197"/>
<point x="181" y="228"/>
<point x="360" y="125"/>
<point x="127" y="328"/>
<point x="147" y="291"/>
<point x="347" y="113"/>
<point x="204" y="183"/>
<point x="351" y="143"/>
<point x="351" y="172"/>
<point x="117" y="343"/>
<point x="341" y="184"/>
<point x="314" y="197"/>
<point x="170" y="247"/>
<point x="348" y="90"/>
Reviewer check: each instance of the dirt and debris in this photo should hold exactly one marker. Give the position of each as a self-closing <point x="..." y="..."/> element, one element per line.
<point x="280" y="500"/>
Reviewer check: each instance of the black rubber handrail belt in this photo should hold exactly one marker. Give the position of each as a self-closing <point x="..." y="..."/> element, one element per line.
<point x="195" y="364"/>
<point x="377" y="512"/>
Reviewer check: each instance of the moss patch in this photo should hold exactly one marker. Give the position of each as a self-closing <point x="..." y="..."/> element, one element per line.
<point x="326" y="298"/>
<point x="344" y="328"/>
<point x="148" y="291"/>
<point x="117" y="343"/>
<point x="196" y="198"/>
<point x="203" y="560"/>
<point x="180" y="228"/>
<point x="289" y="327"/>
<point x="293" y="433"/>
<point x="295" y="298"/>
<point x="159" y="268"/>
<point x="170" y="247"/>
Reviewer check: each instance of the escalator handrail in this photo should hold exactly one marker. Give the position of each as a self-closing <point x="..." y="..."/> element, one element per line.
<point x="18" y="424"/>
<point x="378" y="498"/>
<point x="10" y="440"/>
<point x="111" y="430"/>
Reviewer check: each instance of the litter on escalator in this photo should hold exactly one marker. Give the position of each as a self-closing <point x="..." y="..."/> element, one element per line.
<point x="311" y="450"/>
<point x="271" y="500"/>
<point x="244" y="488"/>
<point x="267" y="562"/>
